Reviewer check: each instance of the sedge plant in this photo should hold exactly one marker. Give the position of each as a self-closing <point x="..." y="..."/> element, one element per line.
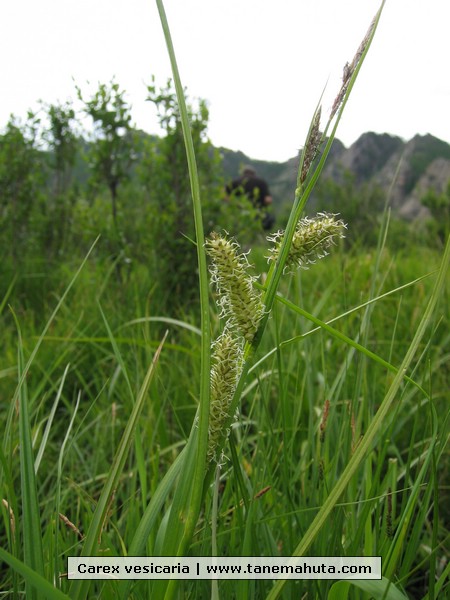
<point x="182" y="512"/>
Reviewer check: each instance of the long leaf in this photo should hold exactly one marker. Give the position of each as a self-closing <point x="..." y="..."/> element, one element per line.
<point x="306" y="334"/>
<point x="39" y="584"/>
<point x="151" y="516"/>
<point x="196" y="484"/>
<point x="380" y="590"/>
<point x="343" y="338"/>
<point x="31" y="516"/>
<point x="48" y="425"/>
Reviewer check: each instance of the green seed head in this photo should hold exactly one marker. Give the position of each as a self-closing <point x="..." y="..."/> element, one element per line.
<point x="226" y="367"/>
<point x="238" y="300"/>
<point x="312" y="238"/>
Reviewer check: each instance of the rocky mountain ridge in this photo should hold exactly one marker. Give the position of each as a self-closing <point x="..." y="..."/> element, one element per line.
<point x="404" y="171"/>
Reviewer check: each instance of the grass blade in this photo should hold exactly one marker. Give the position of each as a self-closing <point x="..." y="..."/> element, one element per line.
<point x="379" y="590"/>
<point x="343" y="338"/>
<point x="32" y="534"/>
<point x="59" y="479"/>
<point x="151" y="516"/>
<point x="196" y="484"/>
<point x="50" y="421"/>
<point x="41" y="588"/>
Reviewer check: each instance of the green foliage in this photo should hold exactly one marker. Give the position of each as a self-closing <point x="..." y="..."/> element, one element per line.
<point x="111" y="151"/>
<point x="131" y="188"/>
<point x="62" y="143"/>
<point x="163" y="173"/>
<point x="21" y="178"/>
<point x="439" y="205"/>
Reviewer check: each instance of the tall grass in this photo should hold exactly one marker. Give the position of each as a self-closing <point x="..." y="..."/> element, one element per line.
<point x="339" y="448"/>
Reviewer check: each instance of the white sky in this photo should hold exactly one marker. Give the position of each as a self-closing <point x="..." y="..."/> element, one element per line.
<point x="260" y="64"/>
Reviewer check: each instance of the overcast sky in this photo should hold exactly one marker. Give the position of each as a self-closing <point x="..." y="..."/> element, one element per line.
<point x="260" y="64"/>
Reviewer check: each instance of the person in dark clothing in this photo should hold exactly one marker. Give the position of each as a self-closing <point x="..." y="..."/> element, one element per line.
<point x="256" y="190"/>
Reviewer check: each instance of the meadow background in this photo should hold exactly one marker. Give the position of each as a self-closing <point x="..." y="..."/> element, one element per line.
<point x="117" y="203"/>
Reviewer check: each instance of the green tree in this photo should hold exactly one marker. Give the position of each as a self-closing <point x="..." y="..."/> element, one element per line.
<point x="62" y="143"/>
<point x="111" y="152"/>
<point x="21" y="181"/>
<point x="164" y="174"/>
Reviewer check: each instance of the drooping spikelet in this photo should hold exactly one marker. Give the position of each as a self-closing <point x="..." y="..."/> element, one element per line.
<point x="312" y="145"/>
<point x="349" y="69"/>
<point x="312" y="238"/>
<point x="226" y="367"/>
<point x="239" y="301"/>
<point x="12" y="518"/>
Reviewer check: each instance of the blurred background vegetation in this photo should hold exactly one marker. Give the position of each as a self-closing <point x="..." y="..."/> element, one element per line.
<point x="62" y="185"/>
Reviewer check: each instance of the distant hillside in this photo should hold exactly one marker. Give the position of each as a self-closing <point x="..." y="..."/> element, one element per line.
<point x="406" y="170"/>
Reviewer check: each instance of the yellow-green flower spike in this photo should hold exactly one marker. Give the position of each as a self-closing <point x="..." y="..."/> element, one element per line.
<point x="239" y="301"/>
<point x="312" y="238"/>
<point x="226" y="367"/>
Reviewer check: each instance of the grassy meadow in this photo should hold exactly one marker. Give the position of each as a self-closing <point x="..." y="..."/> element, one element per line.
<point x="285" y="455"/>
<point x="337" y="407"/>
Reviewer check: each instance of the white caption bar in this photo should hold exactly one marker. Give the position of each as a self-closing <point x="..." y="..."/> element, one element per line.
<point x="234" y="567"/>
